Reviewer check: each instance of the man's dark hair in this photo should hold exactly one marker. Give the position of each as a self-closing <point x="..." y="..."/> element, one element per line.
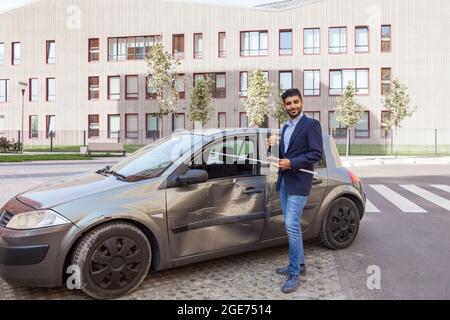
<point x="291" y="93"/>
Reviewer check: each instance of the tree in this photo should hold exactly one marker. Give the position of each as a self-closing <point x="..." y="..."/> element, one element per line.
<point x="257" y="104"/>
<point x="348" y="110"/>
<point x="162" y="76"/>
<point x="278" y="109"/>
<point x="396" y="102"/>
<point x="200" y="106"/>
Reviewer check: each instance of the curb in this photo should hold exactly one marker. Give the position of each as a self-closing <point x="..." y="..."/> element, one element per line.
<point x="355" y="162"/>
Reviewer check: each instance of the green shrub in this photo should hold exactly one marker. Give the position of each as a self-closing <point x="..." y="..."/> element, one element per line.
<point x="8" y="146"/>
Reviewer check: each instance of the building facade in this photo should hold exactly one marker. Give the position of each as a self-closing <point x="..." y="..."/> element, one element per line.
<point x="83" y="64"/>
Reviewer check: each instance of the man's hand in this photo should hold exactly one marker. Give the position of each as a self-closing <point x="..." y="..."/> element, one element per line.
<point x="272" y="140"/>
<point x="284" y="164"/>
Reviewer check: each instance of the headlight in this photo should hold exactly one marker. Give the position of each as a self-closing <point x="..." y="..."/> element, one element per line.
<point x="36" y="219"/>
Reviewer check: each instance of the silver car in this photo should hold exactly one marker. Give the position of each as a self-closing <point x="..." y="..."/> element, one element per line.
<point x="189" y="197"/>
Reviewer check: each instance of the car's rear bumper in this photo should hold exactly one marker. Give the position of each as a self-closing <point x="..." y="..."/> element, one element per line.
<point x="32" y="257"/>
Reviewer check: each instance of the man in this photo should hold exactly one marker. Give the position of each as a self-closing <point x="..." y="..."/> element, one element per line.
<point x="300" y="147"/>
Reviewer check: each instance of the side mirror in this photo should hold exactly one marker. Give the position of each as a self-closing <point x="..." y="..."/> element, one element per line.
<point x="193" y="177"/>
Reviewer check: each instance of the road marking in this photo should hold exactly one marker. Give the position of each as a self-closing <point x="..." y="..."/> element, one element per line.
<point x="442" y="187"/>
<point x="396" y="199"/>
<point x="370" y="207"/>
<point x="427" y="195"/>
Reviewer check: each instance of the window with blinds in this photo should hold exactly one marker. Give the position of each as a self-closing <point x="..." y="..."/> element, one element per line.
<point x="132" y="87"/>
<point x="94" y="50"/>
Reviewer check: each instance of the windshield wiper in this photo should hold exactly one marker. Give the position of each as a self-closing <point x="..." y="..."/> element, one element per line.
<point x="106" y="170"/>
<point x="115" y="174"/>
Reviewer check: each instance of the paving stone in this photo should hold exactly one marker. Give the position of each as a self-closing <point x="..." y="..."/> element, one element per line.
<point x="237" y="279"/>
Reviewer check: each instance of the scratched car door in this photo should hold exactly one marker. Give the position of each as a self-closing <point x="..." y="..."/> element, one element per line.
<point x="225" y="212"/>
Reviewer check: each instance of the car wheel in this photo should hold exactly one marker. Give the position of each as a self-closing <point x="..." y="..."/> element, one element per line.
<point x="113" y="260"/>
<point x="340" y="225"/>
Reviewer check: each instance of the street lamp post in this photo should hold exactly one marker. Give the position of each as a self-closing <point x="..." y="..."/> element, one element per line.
<point x="24" y="86"/>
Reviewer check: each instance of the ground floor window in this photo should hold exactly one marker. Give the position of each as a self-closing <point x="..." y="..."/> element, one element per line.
<point x="50" y="126"/>
<point x="2" y="125"/>
<point x="152" y="126"/>
<point x="243" y="120"/>
<point x="363" y="126"/>
<point x="385" y="129"/>
<point x="178" y="121"/>
<point x="33" y="127"/>
<point x="337" y="129"/>
<point x="222" y="120"/>
<point x="93" y="126"/>
<point x="131" y="126"/>
<point x="113" y="126"/>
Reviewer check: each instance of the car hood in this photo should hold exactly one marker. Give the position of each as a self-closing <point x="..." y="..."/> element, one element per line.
<point x="53" y="193"/>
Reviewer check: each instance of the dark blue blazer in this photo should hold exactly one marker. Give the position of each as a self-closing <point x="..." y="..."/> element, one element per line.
<point x="305" y="149"/>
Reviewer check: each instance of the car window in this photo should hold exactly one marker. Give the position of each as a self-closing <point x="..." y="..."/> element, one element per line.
<point x="228" y="157"/>
<point x="239" y="149"/>
<point x="321" y="163"/>
<point x="151" y="161"/>
<point x="335" y="153"/>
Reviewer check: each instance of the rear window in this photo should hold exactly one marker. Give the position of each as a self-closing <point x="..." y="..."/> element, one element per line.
<point x="322" y="163"/>
<point x="335" y="153"/>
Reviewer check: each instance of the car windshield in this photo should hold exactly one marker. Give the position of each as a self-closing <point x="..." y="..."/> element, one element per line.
<point x="154" y="159"/>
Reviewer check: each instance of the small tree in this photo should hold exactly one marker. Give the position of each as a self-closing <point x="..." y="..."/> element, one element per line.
<point x="278" y="109"/>
<point x="200" y="106"/>
<point x="348" y="110"/>
<point x="257" y="103"/>
<point x="162" y="76"/>
<point x="396" y="102"/>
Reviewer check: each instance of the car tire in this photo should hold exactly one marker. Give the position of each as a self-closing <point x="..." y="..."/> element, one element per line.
<point x="113" y="260"/>
<point x="340" y="224"/>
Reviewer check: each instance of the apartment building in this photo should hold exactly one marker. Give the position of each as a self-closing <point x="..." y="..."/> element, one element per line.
<point x="77" y="67"/>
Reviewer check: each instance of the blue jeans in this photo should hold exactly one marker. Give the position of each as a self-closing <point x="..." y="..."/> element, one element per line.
<point x="292" y="206"/>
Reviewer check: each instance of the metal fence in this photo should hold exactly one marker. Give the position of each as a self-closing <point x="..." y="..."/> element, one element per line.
<point x="71" y="141"/>
<point x="383" y="142"/>
<point x="362" y="142"/>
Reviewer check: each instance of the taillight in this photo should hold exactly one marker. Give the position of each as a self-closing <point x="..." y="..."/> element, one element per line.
<point x="353" y="176"/>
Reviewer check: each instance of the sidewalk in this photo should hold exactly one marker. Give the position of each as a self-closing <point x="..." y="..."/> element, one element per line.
<point x="96" y="160"/>
<point x="355" y="161"/>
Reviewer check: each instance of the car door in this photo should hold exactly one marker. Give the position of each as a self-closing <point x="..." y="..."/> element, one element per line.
<point x="274" y="227"/>
<point x="227" y="210"/>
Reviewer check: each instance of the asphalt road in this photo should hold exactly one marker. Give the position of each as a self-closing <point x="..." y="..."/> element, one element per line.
<point x="411" y="249"/>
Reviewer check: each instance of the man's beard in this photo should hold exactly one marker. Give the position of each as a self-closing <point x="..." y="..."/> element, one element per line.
<point x="293" y="116"/>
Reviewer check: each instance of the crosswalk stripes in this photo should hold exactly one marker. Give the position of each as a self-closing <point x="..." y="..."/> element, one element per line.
<point x="370" y="207"/>
<point x="406" y="205"/>
<point x="441" y="187"/>
<point x="427" y="195"/>
<point x="397" y="200"/>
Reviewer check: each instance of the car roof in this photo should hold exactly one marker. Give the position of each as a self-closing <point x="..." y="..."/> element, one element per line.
<point x="228" y="131"/>
<point x="214" y="132"/>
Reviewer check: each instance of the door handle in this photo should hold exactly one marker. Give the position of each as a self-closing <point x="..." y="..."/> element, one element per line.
<point x="317" y="181"/>
<point x="252" y="190"/>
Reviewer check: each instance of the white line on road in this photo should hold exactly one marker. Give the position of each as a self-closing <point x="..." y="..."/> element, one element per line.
<point x="442" y="187"/>
<point x="370" y="207"/>
<point x="399" y="201"/>
<point x="427" y="195"/>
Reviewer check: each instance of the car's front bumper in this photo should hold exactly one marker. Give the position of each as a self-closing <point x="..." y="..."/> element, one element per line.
<point x="33" y="257"/>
